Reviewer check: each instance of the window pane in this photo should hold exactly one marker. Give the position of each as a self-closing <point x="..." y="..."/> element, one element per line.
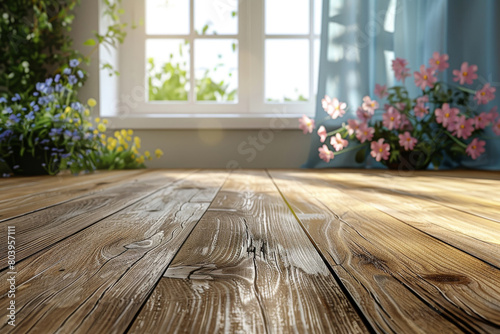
<point x="216" y="70"/>
<point x="216" y="17"/>
<point x="167" y="17"/>
<point x="167" y="69"/>
<point x="318" y="8"/>
<point x="287" y="17"/>
<point x="287" y="70"/>
<point x="317" y="48"/>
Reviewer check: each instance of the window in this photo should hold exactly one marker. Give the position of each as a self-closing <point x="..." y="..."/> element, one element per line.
<point x="224" y="57"/>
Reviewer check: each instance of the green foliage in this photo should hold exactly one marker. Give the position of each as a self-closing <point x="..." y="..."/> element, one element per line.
<point x="171" y="82"/>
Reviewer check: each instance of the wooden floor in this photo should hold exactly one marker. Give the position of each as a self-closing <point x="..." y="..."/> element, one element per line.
<point x="202" y="251"/>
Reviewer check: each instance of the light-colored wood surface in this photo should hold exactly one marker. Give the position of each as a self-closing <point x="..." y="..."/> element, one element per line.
<point x="184" y="251"/>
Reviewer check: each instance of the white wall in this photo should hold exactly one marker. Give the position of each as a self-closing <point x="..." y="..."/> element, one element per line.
<point x="199" y="148"/>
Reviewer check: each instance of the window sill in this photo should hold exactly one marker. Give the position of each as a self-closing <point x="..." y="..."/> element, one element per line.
<point x="205" y="121"/>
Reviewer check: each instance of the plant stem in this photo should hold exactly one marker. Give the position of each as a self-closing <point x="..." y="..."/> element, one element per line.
<point x="335" y="131"/>
<point x="350" y="149"/>
<point x="455" y="139"/>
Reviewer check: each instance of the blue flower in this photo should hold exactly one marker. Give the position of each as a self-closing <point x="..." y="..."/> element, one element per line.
<point x="80" y="74"/>
<point x="15" y="167"/>
<point x="76" y="105"/>
<point x="45" y="141"/>
<point x="66" y="155"/>
<point x="7" y="110"/>
<point x="67" y="71"/>
<point x="72" y="79"/>
<point x="35" y="94"/>
<point x="30" y="116"/>
<point x="74" y="62"/>
<point x="16" y="97"/>
<point x="36" y="108"/>
<point x="15" y="118"/>
<point x="5" y="134"/>
<point x="48" y="81"/>
<point x="57" y="78"/>
<point x="3" y="99"/>
<point x="58" y="88"/>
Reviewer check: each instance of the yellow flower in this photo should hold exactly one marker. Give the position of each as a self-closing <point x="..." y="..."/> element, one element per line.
<point x="147" y="154"/>
<point x="134" y="149"/>
<point x="70" y="120"/>
<point x="67" y="110"/>
<point x="101" y="127"/>
<point x="91" y="102"/>
<point x="158" y="153"/>
<point x="97" y="120"/>
<point x="123" y="132"/>
<point x="140" y="160"/>
<point x="96" y="132"/>
<point x="137" y="142"/>
<point x="103" y="136"/>
<point x="117" y="134"/>
<point x="133" y="156"/>
<point x="130" y="132"/>
<point x="125" y="146"/>
<point x="63" y="116"/>
<point x="122" y="141"/>
<point x="105" y="121"/>
<point x="86" y="113"/>
<point x="119" y="149"/>
<point x="129" y="138"/>
<point x="110" y="147"/>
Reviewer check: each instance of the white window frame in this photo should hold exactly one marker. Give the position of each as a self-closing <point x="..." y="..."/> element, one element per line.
<point x="251" y="110"/>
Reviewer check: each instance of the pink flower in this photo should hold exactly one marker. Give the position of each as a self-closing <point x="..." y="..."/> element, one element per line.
<point x="400" y="106"/>
<point x="333" y="107"/>
<point x="352" y="126"/>
<point x="482" y="120"/>
<point x="446" y="116"/>
<point x="496" y="127"/>
<point x="306" y="124"/>
<point x="493" y="114"/>
<point x="363" y="115"/>
<point x="322" y="134"/>
<point x="325" y="154"/>
<point x="391" y="119"/>
<point x="463" y="127"/>
<point x="421" y="110"/>
<point x="439" y="62"/>
<point x="425" y="78"/>
<point x="364" y="132"/>
<point x="466" y="74"/>
<point x="407" y="141"/>
<point x="405" y="123"/>
<point x="485" y="95"/>
<point x="338" y="143"/>
<point x="380" y="151"/>
<point x="369" y="105"/>
<point x="475" y="148"/>
<point x="400" y="70"/>
<point x="381" y="91"/>
<point x="423" y="99"/>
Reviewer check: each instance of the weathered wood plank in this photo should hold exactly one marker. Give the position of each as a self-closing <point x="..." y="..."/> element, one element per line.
<point x="471" y="234"/>
<point x="248" y="267"/>
<point x="43" y="228"/>
<point x="403" y="280"/>
<point x="96" y="280"/>
<point x="60" y="190"/>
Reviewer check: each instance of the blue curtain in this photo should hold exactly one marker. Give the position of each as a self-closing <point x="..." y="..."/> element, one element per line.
<point x="360" y="38"/>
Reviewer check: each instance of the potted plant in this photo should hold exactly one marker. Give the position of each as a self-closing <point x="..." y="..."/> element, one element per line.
<point x="443" y="121"/>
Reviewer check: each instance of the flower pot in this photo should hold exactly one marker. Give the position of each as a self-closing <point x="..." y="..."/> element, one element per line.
<point x="410" y="160"/>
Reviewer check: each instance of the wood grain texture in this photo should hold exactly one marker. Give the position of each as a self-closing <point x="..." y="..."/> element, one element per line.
<point x="477" y="236"/>
<point x="403" y="280"/>
<point x="29" y="199"/>
<point x="43" y="228"/>
<point x="248" y="267"/>
<point x="96" y="280"/>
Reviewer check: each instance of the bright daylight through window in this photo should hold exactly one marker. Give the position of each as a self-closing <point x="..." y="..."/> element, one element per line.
<point x="225" y="56"/>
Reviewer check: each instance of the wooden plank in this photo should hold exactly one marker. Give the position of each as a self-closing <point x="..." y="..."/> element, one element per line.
<point x="96" y="280"/>
<point x="248" y="267"/>
<point x="463" y="195"/>
<point x="471" y="234"/>
<point x="43" y="228"/>
<point x="403" y="280"/>
<point x="36" y="198"/>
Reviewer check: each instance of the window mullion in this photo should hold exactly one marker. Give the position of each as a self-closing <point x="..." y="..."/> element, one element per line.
<point x="311" y="51"/>
<point x="192" y="94"/>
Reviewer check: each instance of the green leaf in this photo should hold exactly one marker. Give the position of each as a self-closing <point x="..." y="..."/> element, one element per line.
<point x="89" y="42"/>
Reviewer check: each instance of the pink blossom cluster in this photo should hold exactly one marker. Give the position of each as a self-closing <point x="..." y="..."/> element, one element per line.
<point x="402" y="119"/>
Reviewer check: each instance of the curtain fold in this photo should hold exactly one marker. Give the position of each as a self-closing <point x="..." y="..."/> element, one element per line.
<point x="360" y="38"/>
